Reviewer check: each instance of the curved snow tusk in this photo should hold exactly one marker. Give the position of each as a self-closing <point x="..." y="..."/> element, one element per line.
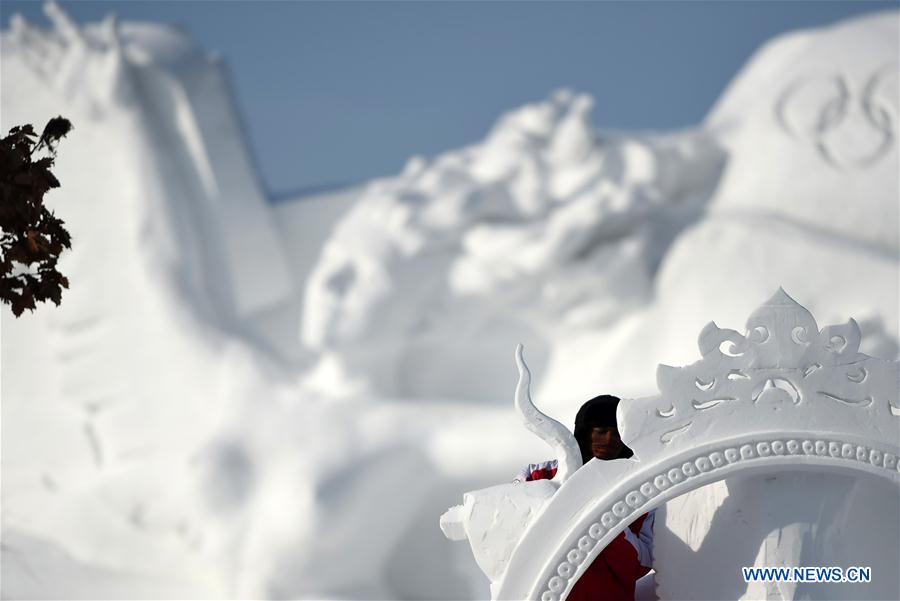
<point x="544" y="427"/>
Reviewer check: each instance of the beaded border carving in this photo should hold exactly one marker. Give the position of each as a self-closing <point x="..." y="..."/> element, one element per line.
<point x="632" y="501"/>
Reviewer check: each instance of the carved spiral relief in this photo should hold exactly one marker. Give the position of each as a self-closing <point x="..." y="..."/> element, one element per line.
<point x="848" y="127"/>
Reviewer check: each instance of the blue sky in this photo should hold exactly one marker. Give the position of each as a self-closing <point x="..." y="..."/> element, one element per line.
<point x="339" y="92"/>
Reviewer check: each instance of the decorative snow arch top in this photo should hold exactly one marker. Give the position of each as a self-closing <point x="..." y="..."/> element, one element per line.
<point x="783" y="396"/>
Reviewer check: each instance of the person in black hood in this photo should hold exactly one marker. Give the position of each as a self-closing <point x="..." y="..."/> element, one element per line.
<point x="597" y="432"/>
<point x="597" y="435"/>
<point x="613" y="573"/>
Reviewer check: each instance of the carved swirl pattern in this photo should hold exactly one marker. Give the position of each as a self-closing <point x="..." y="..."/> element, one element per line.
<point x="632" y="502"/>
<point x="784" y="359"/>
<point x="821" y="110"/>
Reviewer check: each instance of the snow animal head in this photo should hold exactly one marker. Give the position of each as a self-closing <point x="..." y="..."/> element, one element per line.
<point x="541" y="225"/>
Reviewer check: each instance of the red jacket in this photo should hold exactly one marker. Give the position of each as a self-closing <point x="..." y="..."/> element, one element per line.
<point x="625" y="559"/>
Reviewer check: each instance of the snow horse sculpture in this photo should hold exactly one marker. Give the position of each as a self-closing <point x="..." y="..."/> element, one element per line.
<point x="783" y="396"/>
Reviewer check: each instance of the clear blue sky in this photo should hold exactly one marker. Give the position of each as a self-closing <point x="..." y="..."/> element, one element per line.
<point x="342" y="92"/>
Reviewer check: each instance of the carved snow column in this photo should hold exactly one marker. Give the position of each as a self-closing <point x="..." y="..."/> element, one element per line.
<point x="783" y="396"/>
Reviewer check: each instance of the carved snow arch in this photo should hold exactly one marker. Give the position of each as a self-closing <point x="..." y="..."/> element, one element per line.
<point x="784" y="396"/>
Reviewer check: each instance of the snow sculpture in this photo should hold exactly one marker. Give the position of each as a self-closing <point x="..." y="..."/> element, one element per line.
<point x="545" y="208"/>
<point x="549" y="430"/>
<point x="868" y="109"/>
<point x="784" y="396"/>
<point x="172" y="109"/>
<point x="495" y="517"/>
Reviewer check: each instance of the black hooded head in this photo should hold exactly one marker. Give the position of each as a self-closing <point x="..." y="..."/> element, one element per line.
<point x="600" y="411"/>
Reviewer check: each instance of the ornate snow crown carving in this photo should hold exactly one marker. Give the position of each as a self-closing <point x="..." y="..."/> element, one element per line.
<point x="783" y="396"/>
<point x="784" y="367"/>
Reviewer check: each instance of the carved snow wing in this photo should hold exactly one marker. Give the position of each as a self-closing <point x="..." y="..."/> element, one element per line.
<point x="785" y="395"/>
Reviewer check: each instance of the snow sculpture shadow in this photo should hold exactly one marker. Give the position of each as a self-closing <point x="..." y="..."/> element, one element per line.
<point x="785" y="397"/>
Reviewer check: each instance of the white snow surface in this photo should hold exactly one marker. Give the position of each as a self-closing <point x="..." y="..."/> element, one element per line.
<point x="237" y="399"/>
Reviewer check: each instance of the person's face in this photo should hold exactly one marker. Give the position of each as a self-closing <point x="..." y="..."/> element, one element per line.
<point x="605" y="442"/>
